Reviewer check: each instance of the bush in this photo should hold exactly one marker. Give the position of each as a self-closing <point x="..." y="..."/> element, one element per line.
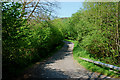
<point x="25" y="43"/>
<point x="96" y="29"/>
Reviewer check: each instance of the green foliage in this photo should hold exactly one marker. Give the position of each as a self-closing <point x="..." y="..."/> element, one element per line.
<point x="63" y="26"/>
<point x="10" y="25"/>
<point x="95" y="27"/>
<point x="25" y="43"/>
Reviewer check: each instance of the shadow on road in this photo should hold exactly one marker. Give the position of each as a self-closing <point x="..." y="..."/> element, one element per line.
<point x="40" y="72"/>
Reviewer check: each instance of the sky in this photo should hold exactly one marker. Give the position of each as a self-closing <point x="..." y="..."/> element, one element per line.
<point x="68" y="8"/>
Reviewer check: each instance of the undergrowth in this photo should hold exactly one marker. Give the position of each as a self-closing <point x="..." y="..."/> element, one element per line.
<point x="20" y="71"/>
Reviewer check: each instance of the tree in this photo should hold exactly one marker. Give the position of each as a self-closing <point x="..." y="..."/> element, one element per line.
<point x="98" y="30"/>
<point x="39" y="9"/>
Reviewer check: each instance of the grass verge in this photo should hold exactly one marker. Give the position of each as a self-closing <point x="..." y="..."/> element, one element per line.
<point x="78" y="51"/>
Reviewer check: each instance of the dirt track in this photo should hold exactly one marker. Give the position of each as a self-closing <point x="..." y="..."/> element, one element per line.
<point x="61" y="65"/>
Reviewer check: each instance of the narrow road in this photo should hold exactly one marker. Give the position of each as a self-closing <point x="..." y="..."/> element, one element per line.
<point x="61" y="65"/>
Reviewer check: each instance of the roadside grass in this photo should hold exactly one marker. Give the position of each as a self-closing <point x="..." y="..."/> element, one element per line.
<point x="78" y="51"/>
